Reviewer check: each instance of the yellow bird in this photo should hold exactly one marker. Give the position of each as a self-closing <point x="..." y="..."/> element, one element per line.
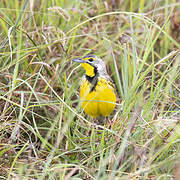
<point x="97" y="93"/>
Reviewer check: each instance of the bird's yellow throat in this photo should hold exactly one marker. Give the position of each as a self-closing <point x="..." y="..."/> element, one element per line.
<point x="89" y="69"/>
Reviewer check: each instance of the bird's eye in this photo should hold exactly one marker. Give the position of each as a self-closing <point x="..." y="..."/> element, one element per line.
<point x="91" y="60"/>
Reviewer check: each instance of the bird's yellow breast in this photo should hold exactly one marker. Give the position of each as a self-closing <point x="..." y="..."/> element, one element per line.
<point x="99" y="100"/>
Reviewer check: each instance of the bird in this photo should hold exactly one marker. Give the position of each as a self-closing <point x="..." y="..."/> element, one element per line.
<point x="97" y="91"/>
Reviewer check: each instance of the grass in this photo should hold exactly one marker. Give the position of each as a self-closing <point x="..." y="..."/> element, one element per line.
<point x="44" y="133"/>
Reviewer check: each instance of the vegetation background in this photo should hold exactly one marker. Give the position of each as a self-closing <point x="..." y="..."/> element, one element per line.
<point x="43" y="132"/>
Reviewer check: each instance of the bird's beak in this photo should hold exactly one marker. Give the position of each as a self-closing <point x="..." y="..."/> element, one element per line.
<point x="78" y="60"/>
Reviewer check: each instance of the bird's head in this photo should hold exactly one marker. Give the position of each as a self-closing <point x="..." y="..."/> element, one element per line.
<point x="92" y="65"/>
